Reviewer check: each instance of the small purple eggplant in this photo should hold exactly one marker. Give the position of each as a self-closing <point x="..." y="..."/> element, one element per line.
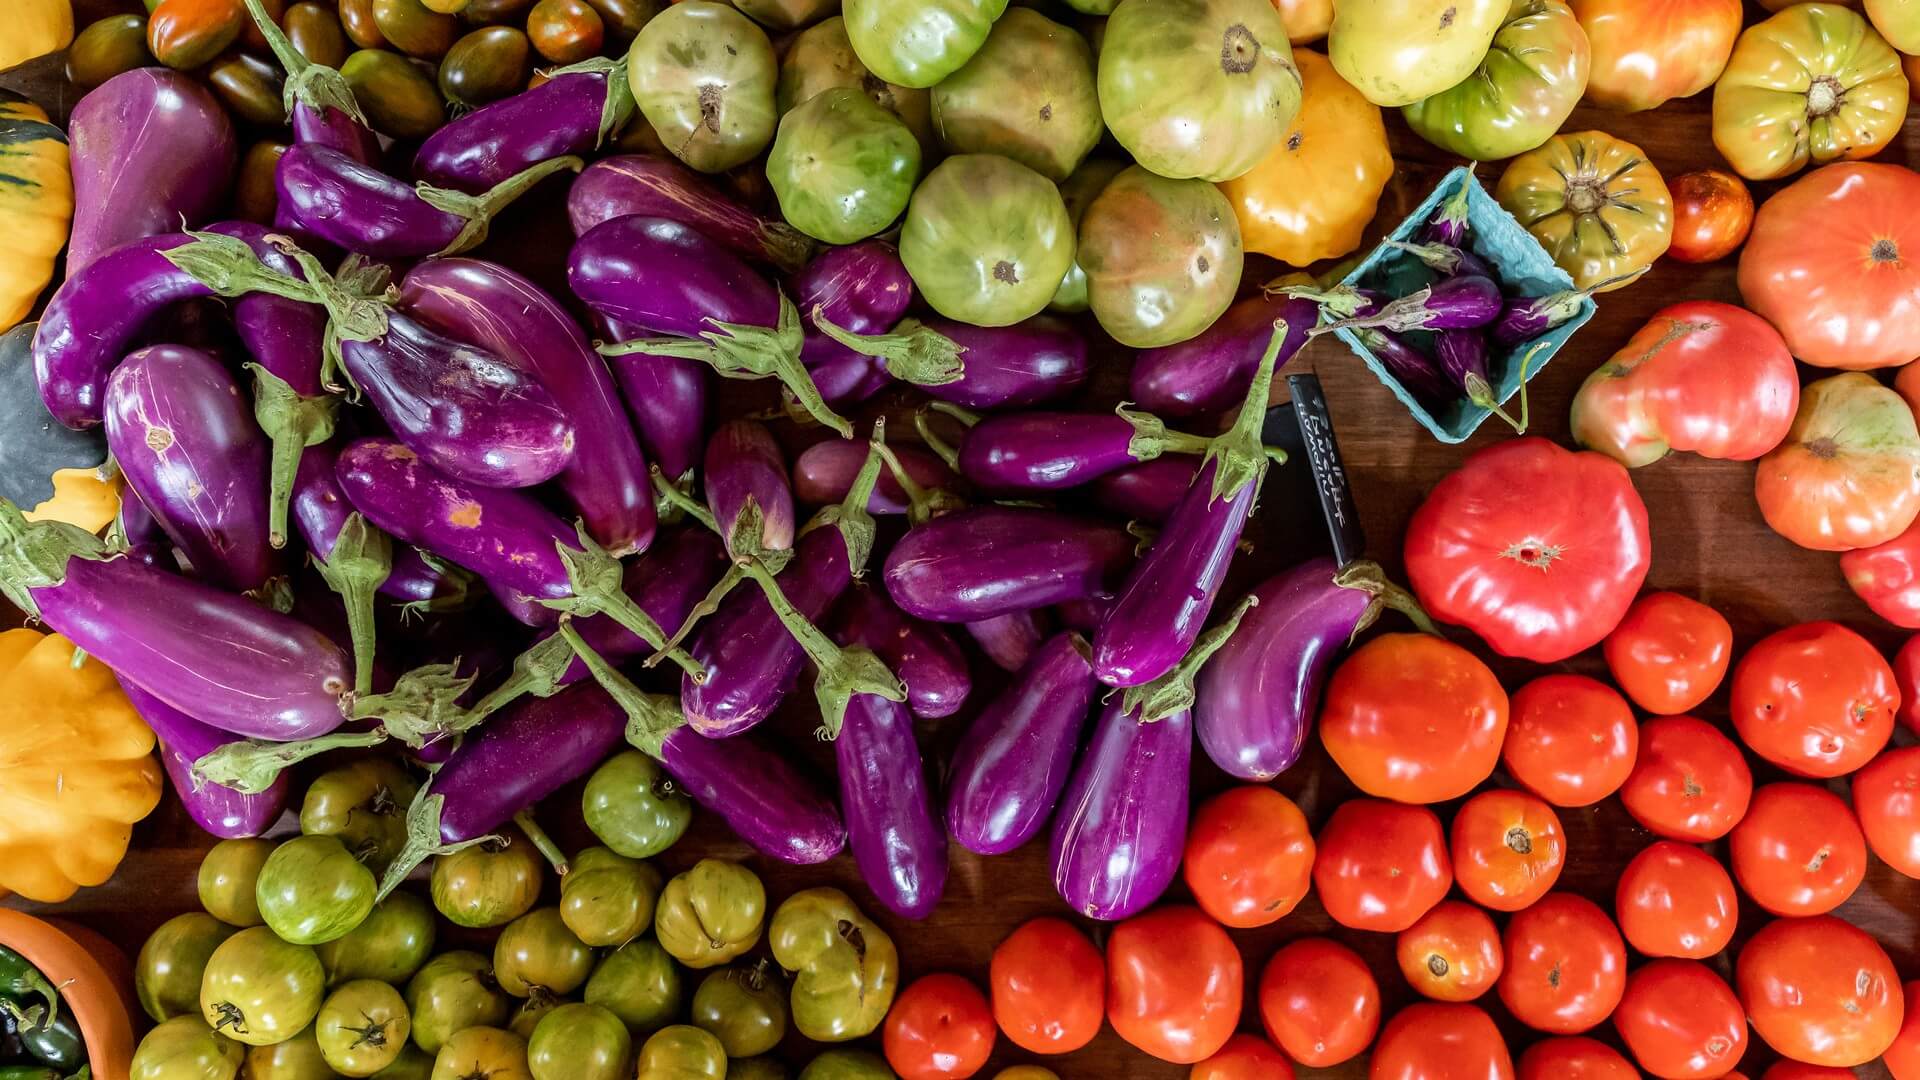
<point x="219" y="810"/>
<point x="1122" y="822"/>
<point x="1462" y="356"/>
<point x="1449" y="224"/>
<point x="1010" y="640"/>
<point x="1008" y="367"/>
<point x="662" y="187"/>
<point x="1047" y="451"/>
<point x="1460" y="302"/>
<point x="824" y="471"/>
<point x="854" y="300"/>
<point x="744" y="465"/>
<point x="997" y="560"/>
<point x="570" y="114"/>
<point x="893" y="826"/>
<point x="1527" y="317"/>
<point x="923" y="656"/>
<point x="667" y="398"/>
<point x="1447" y="259"/>
<point x="1208" y="374"/>
<point x="319" y="103"/>
<point x="1413" y="369"/>
<point x="1147" y="492"/>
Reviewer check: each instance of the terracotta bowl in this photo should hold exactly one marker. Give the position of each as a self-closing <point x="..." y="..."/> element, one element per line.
<point x="93" y="978"/>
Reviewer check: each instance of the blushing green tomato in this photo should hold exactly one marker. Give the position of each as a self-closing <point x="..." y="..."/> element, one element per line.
<point x="453" y="991"/>
<point x="710" y="913"/>
<point x="487" y="1052"/>
<point x="228" y="874"/>
<point x="1396" y="52"/>
<point x="744" y="1007"/>
<point x="579" y="1042"/>
<point x="166" y="977"/>
<point x="530" y="1012"/>
<point x="1028" y="94"/>
<point x="489" y="884"/>
<point x="365" y="805"/>
<point x="362" y="1027"/>
<point x="185" y="1048"/>
<point x="607" y="899"/>
<point x="1522" y="92"/>
<point x="638" y="983"/>
<point x="842" y="166"/>
<point x="399" y="98"/>
<point x="919" y="42"/>
<point x="703" y="75"/>
<point x="1078" y="192"/>
<point x="632" y="806"/>
<point x="260" y="990"/>
<point x="845" y="968"/>
<point x="313" y="890"/>
<point x="1162" y="257"/>
<point x="390" y="944"/>
<point x="821" y="57"/>
<point x="537" y="952"/>
<point x="298" y="1058"/>
<point x="756" y="1068"/>
<point x="847" y="1065"/>
<point x="987" y="240"/>
<point x="682" y="1052"/>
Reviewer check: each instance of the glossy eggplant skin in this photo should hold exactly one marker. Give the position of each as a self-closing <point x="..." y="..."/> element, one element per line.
<point x="356" y="207"/>
<point x="666" y="397"/>
<point x="1008" y="367"/>
<point x="1045" y="451"/>
<point x="218" y="810"/>
<point x="823" y="474"/>
<point x="985" y="561"/>
<point x="1209" y="373"/>
<point x="663" y="277"/>
<point x="899" y="844"/>
<point x="662" y="187"/>
<point x="864" y="289"/>
<point x="559" y="117"/>
<point x="1149" y="491"/>
<point x="529" y="751"/>
<point x="925" y="658"/>
<point x="744" y="462"/>
<point x="759" y="793"/>
<point x="1122" y="823"/>
<point x="1010" y="640"/>
<point x="1014" y="760"/>
<point x="666" y="582"/>
<point x="320" y="509"/>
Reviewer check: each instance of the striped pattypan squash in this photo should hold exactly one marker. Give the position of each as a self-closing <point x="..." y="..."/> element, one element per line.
<point x="36" y="204"/>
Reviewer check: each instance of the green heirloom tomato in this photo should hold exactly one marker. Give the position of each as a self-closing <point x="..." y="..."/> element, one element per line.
<point x="166" y="977"/>
<point x="259" y="989"/>
<point x="1396" y="52"/>
<point x="453" y="991"/>
<point x="847" y="1065"/>
<point x="744" y="1007"/>
<point x="1162" y="257"/>
<point x="703" y="74"/>
<point x="482" y="1053"/>
<point x="228" y="875"/>
<point x="1523" y="91"/>
<point x="412" y="1064"/>
<point x="632" y="806"/>
<point x="821" y="57"/>
<point x="399" y="99"/>
<point x="1198" y="88"/>
<point x="1093" y="7"/>
<point x="414" y="28"/>
<point x="362" y="1027"/>
<point x="532" y="1011"/>
<point x="987" y="240"/>
<point x="537" y="951"/>
<point x="312" y="890"/>
<point x="298" y="1058"/>
<point x="185" y="1048"/>
<point x="486" y="65"/>
<point x="1077" y="193"/>
<point x="315" y="31"/>
<point x="710" y="914"/>
<point x="638" y="983"/>
<point x="1028" y="94"/>
<point x="249" y="87"/>
<point x="682" y="1052"/>
<point x="918" y="42"/>
<point x="365" y="805"/>
<point x="607" y="899"/>
<point x="390" y="944"/>
<point x="756" y="1068"/>
<point x="579" y="1042"/>
<point x="489" y="884"/>
<point x="842" y="167"/>
<point x="108" y="47"/>
<point x="845" y="968"/>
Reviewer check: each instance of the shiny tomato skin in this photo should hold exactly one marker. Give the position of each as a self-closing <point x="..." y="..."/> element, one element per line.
<point x="1886" y="576"/>
<point x="1173" y="984"/>
<point x="1800" y="1070"/>
<point x="1690" y="782"/>
<point x="1507" y="849"/>
<point x="1681" y="1021"/>
<point x="1670" y="652"/>
<point x="1452" y="954"/>
<point x="1886" y="800"/>
<point x="1712" y="214"/>
<point x="1566" y="965"/>
<point x="1245" y="1057"/>
<point x="1574" y="1057"/>
<point x="1381" y="865"/>
<point x="1906" y="677"/>
<point x="1902" y="1059"/>
<point x="1249" y="856"/>
<point x="940" y="1028"/>
<point x="1439" y="1041"/>
<point x="1798" y="851"/>
<point x="1571" y="740"/>
<point x="1820" y="990"/>
<point x="1414" y="718"/>
<point x="1319" y="1002"/>
<point x="1815" y="699"/>
<point x="1049" y="987"/>
<point x="1675" y="900"/>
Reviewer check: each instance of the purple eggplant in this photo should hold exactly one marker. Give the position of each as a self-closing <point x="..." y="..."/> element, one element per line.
<point x="898" y="843"/>
<point x="1147" y="492"/>
<point x="1084" y="615"/>
<point x="1208" y="374"/>
<point x="1447" y="259"/>
<point x="744" y="465"/>
<point x="500" y="311"/>
<point x="849" y="379"/>
<point x="1462" y="356"/>
<point x="1449" y="224"/>
<point x="657" y="186"/>
<point x="1122" y="822"/>
<point x="1010" y="767"/>
<point x="997" y="560"/>
<point x="1047" y="451"/>
<point x="186" y="442"/>
<point x="1413" y="369"/>
<point x="667" y="398"/>
<point x="218" y="810"/>
<point x="1527" y="317"/>
<point x="1008" y="367"/>
<point x="319" y="103"/>
<point x="570" y="114"/>
<point x="1460" y="302"/>
<point x="824" y="471"/>
<point x="925" y="657"/>
<point x="853" y="301"/>
<point x="1010" y="640"/>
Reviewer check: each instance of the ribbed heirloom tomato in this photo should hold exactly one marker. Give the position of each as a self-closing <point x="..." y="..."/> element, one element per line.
<point x="1173" y="984"/>
<point x="1507" y="849"/>
<point x="1570" y="740"/>
<point x="1049" y="987"/>
<point x="1574" y="1057"/>
<point x="940" y="1028"/>
<point x="1886" y="799"/>
<point x="1452" y="954"/>
<point x="1690" y="782"/>
<point x="1249" y="856"/>
<point x="1675" y="900"/>
<point x="1414" y="718"/>
<point x="1319" y="1002"/>
<point x="1820" y="990"/>
<point x="1432" y="1041"/>
<point x="1798" y="851"/>
<point x="1245" y="1057"/>
<point x="1670" y="652"/>
<point x="1566" y="965"/>
<point x="1681" y="1021"/>
<point x="1381" y="865"/>
<point x="1815" y="699"/>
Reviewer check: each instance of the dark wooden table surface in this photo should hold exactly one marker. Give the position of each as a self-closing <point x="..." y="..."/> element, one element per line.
<point x="1709" y="542"/>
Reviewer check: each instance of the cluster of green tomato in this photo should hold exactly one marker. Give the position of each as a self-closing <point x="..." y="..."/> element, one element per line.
<point x="295" y="970"/>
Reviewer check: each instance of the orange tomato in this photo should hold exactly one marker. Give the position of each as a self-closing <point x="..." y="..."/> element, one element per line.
<point x="184" y="34"/>
<point x="1245" y="1057"/>
<point x="1049" y="987"/>
<point x="1902" y="1058"/>
<point x="1306" y="20"/>
<point x="1690" y="782"/>
<point x="1566" y="965"/>
<point x="1800" y="1070"/>
<point x="1381" y="865"/>
<point x="1815" y="699"/>
<point x="1431" y="1041"/>
<point x="1451" y="954"/>
<point x="1507" y="849"/>
<point x="1414" y="718"/>
<point x="1675" y="900"/>
<point x="1670" y="652"/>
<point x="1848" y="474"/>
<point x="1886" y="799"/>
<point x="940" y="1027"/>
<point x="1798" y="851"/>
<point x="1906" y="678"/>
<point x="1712" y="214"/>
<point x="1173" y="984"/>
<point x="565" y="31"/>
<point x="1574" y="1057"/>
<point x="1249" y="857"/>
<point x="1649" y="51"/>
<point x="1681" y="1021"/>
<point x="1820" y="990"/>
<point x="1319" y="1002"/>
<point x="1571" y="740"/>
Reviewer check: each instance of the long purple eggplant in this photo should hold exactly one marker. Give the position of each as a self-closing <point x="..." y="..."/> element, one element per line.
<point x="186" y="442"/>
<point x="996" y="560"/>
<point x="1460" y="302"/>
<point x="1413" y="369"/>
<point x="570" y="114"/>
<point x="1527" y="317"/>
<point x="321" y="509"/>
<point x="500" y="311"/>
<point x="217" y="809"/>
<point x="853" y="300"/>
<point x="667" y="398"/>
<point x="898" y="843"/>
<point x="1007" y="367"/>
<point x="1010" y="640"/>
<point x="823" y="472"/>
<point x="744" y="465"/>
<point x="923" y="656"/>
<point x="1122" y="821"/>
<point x="1048" y="451"/>
<point x="1209" y="373"/>
<point x="657" y="186"/>
<point x="1010" y="767"/>
<point x="319" y="103"/>
<point x="1147" y="492"/>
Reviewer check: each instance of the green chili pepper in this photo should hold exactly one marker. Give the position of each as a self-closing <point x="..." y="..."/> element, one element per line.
<point x="29" y="1072"/>
<point x="21" y="979"/>
<point x="54" y="1041"/>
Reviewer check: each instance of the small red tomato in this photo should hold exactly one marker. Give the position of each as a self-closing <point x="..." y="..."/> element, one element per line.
<point x="1507" y="849"/>
<point x="1574" y="1057"/>
<point x="1415" y="718"/>
<point x="1432" y="1041"/>
<point x="1690" y="782"/>
<point x="939" y="1027"/>
<point x="1049" y="987"/>
<point x="1820" y="990"/>
<point x="1886" y="798"/>
<point x="1681" y="1021"/>
<point x="1886" y="577"/>
<point x="1712" y="214"/>
<point x="1798" y="851"/>
<point x="1319" y="1002"/>
<point x="1245" y="1057"/>
<point x="1249" y="856"/>
<point x="1381" y="865"/>
<point x="1906" y="679"/>
<point x="1451" y="954"/>
<point x="1902" y="1059"/>
<point x="1571" y="740"/>
<point x="1670" y="652"/>
<point x="1815" y="699"/>
<point x="1800" y="1070"/>
<point x="1566" y="965"/>
<point x="1675" y="900"/>
<point x="1173" y="984"/>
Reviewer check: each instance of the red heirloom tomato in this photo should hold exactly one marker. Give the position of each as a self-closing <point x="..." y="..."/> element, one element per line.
<point x="1319" y="1002"/>
<point x="1566" y="965"/>
<point x="1701" y="376"/>
<point x="1887" y="577"/>
<point x="1245" y="1057"/>
<point x="939" y="1027"/>
<point x="1536" y="548"/>
<point x="1575" y="1057"/>
<point x="1675" y="900"/>
<point x="1681" y="1021"/>
<point x="1690" y="782"/>
<point x="1800" y="1070"/>
<point x="1432" y="1041"/>
<point x="1820" y="990"/>
<point x="1570" y="740"/>
<point x="1815" y="699"/>
<point x="1173" y="984"/>
<point x="1670" y="652"/>
<point x="1906" y="678"/>
<point x="1798" y="851"/>
<point x="1381" y="865"/>
<point x="1712" y="214"/>
<point x="1049" y="987"/>
<point x="1249" y="856"/>
<point x="1834" y="264"/>
<point x="1414" y="718"/>
<point x="1507" y="849"/>
<point x="1451" y="954"/>
<point x="1886" y="798"/>
<point x="1902" y="1059"/>
<point x="1848" y="474"/>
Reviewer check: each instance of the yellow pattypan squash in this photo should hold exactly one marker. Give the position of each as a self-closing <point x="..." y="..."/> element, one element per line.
<point x="76" y="768"/>
<point x="36" y="204"/>
<point x="35" y="28"/>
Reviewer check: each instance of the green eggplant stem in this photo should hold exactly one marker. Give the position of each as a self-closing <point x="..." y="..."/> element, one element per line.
<point x="1174" y="691"/>
<point x="840" y="672"/>
<point x="250" y="766"/>
<point x="423" y="840"/>
<point x="542" y="842"/>
<point x="650" y="717"/>
<point x="1239" y="457"/>
<point x="597" y="581"/>
<point x="478" y="211"/>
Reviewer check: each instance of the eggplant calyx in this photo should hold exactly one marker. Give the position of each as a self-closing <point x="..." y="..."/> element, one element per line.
<point x="457" y="591"/>
<point x="1336" y="302"/>
<point x="360" y="562"/>
<point x="1151" y="437"/>
<point x="291" y="423"/>
<point x="1450" y="220"/>
<point x="852" y="517"/>
<point x="1174" y="692"/>
<point x="34" y="554"/>
<point x="316" y="86"/>
<point x="619" y="105"/>
<point x="841" y="673"/>
<point x="423" y="840"/>
<point x="250" y="766"/>
<point x="1409" y="312"/>
<point x="912" y="352"/>
<point x="597" y="582"/>
<point x="1444" y="258"/>
<point x="1238" y="455"/>
<point x="478" y="210"/>
<point x="1367" y="576"/>
<point x="422" y="707"/>
<point x="923" y="504"/>
<point x="536" y="672"/>
<point x="1480" y="393"/>
<point x="678" y="496"/>
<point x="650" y="717"/>
<point x="228" y="266"/>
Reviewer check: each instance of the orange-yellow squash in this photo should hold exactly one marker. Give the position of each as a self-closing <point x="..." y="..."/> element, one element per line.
<point x="35" y="28"/>
<point x="36" y="204"/>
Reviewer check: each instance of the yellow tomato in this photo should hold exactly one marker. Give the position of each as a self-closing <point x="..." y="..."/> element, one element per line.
<point x="1596" y="203"/>
<point x="1399" y="51"/>
<point x="1898" y="21"/>
<point x="1307" y="20"/>
<point x="1311" y="198"/>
